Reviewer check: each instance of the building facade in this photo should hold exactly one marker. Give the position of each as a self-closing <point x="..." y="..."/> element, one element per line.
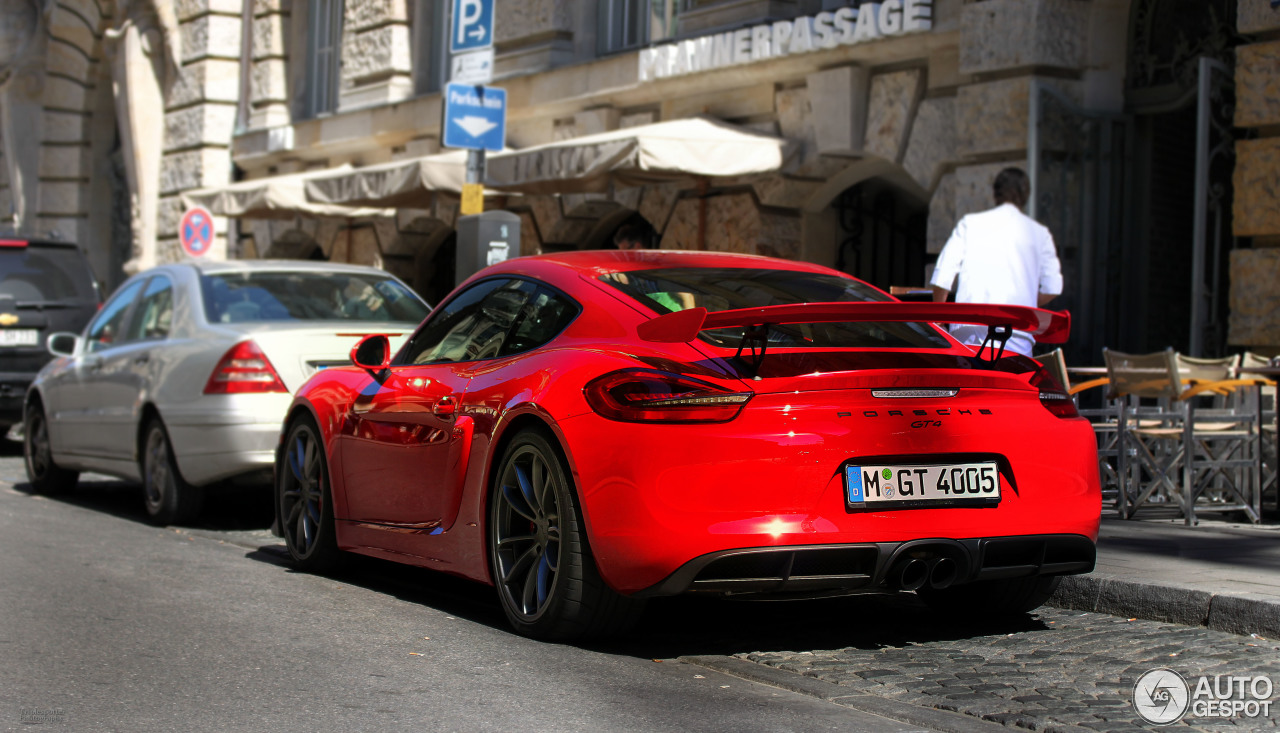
<point x="1151" y="129"/>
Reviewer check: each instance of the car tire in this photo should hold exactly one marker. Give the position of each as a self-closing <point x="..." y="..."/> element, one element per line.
<point x="304" y="501"/>
<point x="988" y="598"/>
<point x="169" y="499"/>
<point x="45" y="475"/>
<point x="539" y="557"/>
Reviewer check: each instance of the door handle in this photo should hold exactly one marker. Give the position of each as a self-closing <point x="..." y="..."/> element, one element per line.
<point x="142" y="359"/>
<point x="94" y="365"/>
<point x="445" y="407"/>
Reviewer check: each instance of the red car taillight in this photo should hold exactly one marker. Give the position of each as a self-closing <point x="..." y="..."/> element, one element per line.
<point x="645" y="395"/>
<point x="1052" y="395"/>
<point x="244" y="368"/>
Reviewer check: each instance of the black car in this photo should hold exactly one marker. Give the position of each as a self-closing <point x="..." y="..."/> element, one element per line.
<point x="45" y="287"/>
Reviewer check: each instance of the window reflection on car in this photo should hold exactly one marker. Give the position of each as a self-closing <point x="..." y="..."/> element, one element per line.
<point x="490" y="319"/>
<point x="240" y="297"/>
<point x="106" y="329"/>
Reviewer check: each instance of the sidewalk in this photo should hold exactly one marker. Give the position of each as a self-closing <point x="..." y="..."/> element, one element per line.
<point x="1217" y="574"/>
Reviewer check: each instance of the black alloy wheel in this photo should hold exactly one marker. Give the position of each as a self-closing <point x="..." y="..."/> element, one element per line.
<point x="168" y="497"/>
<point x="45" y="475"/>
<point x="542" y="566"/>
<point x="303" y="500"/>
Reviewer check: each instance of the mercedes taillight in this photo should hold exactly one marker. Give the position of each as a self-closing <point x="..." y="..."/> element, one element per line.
<point x="244" y="369"/>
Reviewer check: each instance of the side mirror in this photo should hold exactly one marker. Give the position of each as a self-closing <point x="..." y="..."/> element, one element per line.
<point x="373" y="353"/>
<point x="62" y="343"/>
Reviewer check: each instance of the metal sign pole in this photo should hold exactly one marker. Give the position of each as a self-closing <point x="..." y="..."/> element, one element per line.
<point x="473" y="189"/>
<point x="475" y="166"/>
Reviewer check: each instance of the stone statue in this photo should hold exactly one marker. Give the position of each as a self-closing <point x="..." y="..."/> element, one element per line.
<point x="144" y="67"/>
<point x="22" y="57"/>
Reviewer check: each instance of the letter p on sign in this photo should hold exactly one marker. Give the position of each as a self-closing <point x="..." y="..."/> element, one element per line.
<point x="472" y="25"/>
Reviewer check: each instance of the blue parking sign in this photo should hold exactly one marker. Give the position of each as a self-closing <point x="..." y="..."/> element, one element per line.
<point x="472" y="25"/>
<point x="475" y="117"/>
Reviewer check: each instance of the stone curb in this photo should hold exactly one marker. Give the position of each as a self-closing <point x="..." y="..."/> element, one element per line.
<point x="1235" y="613"/>
<point x="932" y="718"/>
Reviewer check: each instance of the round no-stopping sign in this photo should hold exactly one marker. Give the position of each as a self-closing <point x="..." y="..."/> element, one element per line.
<point x="195" y="231"/>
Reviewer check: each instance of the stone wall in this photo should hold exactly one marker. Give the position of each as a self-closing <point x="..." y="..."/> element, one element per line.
<point x="1254" y="320"/>
<point x="1255" y="17"/>
<point x="72" y="82"/>
<point x="376" y="55"/>
<point x="1001" y="35"/>
<point x="734" y="223"/>
<point x="1254" y="297"/>
<point x="405" y="245"/>
<point x="200" y="113"/>
<point x="958" y="143"/>
<point x="59" y="128"/>
<point x="271" y="49"/>
<point x="536" y="35"/>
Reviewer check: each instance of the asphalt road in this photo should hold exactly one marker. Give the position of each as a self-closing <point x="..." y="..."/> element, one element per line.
<point x="107" y="623"/>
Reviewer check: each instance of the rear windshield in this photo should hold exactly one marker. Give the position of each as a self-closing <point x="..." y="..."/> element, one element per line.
<point x="243" y="297"/>
<point x="35" y="275"/>
<point x="718" y="289"/>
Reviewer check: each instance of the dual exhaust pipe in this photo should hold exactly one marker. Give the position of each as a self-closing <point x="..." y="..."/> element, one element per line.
<point x="911" y="573"/>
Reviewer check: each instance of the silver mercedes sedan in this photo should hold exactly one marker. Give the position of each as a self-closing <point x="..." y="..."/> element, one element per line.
<point x="183" y="377"/>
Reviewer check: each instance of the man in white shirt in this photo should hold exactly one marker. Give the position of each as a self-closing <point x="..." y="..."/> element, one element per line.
<point x="1001" y="256"/>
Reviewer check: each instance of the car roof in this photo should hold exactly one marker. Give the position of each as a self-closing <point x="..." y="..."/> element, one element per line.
<point x="317" y="266"/>
<point x="602" y="261"/>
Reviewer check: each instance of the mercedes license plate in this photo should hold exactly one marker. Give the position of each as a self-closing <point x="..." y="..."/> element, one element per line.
<point x="19" y="337"/>
<point x="911" y="486"/>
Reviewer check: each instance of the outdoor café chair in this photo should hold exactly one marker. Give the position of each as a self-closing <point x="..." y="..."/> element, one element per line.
<point x="1188" y="444"/>
<point x="1267" y="393"/>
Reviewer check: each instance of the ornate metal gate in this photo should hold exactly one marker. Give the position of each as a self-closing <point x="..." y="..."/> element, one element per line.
<point x="881" y="236"/>
<point x="1212" y="238"/>
<point x="1139" y="203"/>
<point x="1080" y="190"/>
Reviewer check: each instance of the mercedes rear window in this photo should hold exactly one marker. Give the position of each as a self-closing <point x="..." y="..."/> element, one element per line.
<point x="34" y="275"/>
<point x="243" y="297"/>
<point x="722" y="288"/>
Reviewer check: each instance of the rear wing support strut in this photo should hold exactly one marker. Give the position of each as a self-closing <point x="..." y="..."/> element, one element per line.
<point x="997" y="338"/>
<point x="754" y="337"/>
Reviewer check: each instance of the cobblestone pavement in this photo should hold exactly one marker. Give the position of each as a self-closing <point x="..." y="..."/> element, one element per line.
<point x="1077" y="671"/>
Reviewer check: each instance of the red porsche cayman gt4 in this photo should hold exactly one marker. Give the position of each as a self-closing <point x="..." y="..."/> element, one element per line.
<point x="587" y="430"/>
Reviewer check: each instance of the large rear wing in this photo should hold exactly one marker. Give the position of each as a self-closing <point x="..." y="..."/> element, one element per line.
<point x="1050" y="327"/>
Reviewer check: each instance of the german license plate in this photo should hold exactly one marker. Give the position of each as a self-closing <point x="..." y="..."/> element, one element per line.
<point x="907" y="486"/>
<point x="19" y="337"/>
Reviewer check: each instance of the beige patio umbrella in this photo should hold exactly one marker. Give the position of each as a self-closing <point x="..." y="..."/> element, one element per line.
<point x="273" y="197"/>
<point x="697" y="147"/>
<point x="401" y="183"/>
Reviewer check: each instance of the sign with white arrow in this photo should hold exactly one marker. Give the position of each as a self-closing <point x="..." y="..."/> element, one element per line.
<point x="475" y="117"/>
<point x="472" y="25"/>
